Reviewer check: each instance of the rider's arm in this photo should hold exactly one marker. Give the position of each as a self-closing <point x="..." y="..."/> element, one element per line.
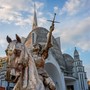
<point x="48" y="44"/>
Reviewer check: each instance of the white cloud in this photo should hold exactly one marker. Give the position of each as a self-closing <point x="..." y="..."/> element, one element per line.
<point x="16" y="4"/>
<point x="56" y="9"/>
<point x="12" y="12"/>
<point x="72" y="7"/>
<point x="42" y="21"/>
<point x="39" y="4"/>
<point x="3" y="43"/>
<point x="75" y="33"/>
<point x="85" y="45"/>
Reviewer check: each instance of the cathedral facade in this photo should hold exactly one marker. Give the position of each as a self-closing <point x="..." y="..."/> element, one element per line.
<point x="66" y="71"/>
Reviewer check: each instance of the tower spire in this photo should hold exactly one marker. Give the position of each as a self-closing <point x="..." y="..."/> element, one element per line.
<point x="34" y="18"/>
<point x="76" y="54"/>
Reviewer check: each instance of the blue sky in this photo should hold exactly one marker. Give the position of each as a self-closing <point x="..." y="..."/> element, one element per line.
<point x="73" y="29"/>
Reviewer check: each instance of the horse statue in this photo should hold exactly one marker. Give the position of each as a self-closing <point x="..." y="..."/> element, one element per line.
<point x="21" y="68"/>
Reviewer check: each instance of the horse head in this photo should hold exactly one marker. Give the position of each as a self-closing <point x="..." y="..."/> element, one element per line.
<point x="15" y="53"/>
<point x="21" y="67"/>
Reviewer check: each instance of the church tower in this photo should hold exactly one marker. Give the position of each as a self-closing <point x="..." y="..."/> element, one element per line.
<point x="34" y="25"/>
<point x="79" y="72"/>
<point x="76" y="54"/>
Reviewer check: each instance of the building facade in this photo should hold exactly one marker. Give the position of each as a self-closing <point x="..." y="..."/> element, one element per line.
<point x="4" y="85"/>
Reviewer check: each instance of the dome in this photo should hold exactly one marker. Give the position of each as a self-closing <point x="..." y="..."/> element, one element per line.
<point x="68" y="62"/>
<point x="40" y="35"/>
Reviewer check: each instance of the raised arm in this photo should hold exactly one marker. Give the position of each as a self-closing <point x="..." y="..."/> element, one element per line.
<point x="49" y="37"/>
<point x="48" y="44"/>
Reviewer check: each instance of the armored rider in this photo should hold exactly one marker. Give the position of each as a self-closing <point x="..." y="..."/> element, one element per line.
<point x="39" y="55"/>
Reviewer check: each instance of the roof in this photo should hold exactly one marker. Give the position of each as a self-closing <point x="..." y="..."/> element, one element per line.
<point x="68" y="61"/>
<point x="76" y="52"/>
<point x="40" y="37"/>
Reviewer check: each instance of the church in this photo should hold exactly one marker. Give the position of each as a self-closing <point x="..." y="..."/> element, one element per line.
<point x="66" y="71"/>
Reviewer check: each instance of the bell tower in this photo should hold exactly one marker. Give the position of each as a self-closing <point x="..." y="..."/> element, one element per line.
<point x="79" y="71"/>
<point x="76" y="54"/>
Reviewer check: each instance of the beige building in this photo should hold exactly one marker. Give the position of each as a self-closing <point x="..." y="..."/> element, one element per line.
<point x="3" y="82"/>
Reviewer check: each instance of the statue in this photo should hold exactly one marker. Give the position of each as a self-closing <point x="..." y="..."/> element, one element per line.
<point x="27" y="69"/>
<point x="21" y="68"/>
<point x="39" y="55"/>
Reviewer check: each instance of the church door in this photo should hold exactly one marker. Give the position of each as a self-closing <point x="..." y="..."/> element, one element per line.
<point x="70" y="87"/>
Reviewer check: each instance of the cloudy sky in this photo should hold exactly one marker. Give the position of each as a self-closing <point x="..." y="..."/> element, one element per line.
<point x="74" y="28"/>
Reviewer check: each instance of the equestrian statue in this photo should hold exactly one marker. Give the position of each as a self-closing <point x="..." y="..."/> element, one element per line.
<point x="26" y="69"/>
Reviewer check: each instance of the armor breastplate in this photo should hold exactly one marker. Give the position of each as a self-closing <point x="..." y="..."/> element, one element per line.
<point x="38" y="61"/>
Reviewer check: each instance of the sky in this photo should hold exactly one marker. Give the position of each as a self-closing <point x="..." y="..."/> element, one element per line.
<point x="16" y="17"/>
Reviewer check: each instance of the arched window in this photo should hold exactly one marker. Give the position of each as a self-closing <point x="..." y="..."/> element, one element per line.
<point x="33" y="38"/>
